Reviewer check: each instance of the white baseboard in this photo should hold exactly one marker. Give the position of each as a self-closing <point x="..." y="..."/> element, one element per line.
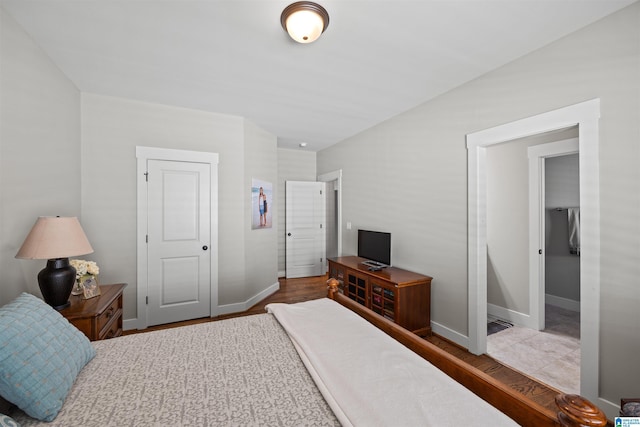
<point x="129" y="324"/>
<point x="566" y="303"/>
<point x="510" y="316"/>
<point x="450" y="334"/>
<point x="282" y="273"/>
<point x="610" y="409"/>
<point x="243" y="306"/>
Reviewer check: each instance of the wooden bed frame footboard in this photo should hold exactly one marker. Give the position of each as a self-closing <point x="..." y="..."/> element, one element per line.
<point x="573" y="410"/>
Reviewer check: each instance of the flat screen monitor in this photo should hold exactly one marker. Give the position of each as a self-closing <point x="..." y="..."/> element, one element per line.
<point x="375" y="246"/>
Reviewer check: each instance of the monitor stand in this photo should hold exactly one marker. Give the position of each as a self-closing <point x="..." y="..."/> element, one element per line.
<point x="374" y="265"/>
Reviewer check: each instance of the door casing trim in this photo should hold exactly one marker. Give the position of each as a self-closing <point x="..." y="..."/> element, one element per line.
<point x="586" y="116"/>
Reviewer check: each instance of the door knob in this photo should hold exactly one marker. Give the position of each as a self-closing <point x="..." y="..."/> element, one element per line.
<point x="288" y="234"/>
<point x="205" y="247"/>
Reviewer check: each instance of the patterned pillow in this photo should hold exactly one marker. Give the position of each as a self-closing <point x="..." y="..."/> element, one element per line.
<point x="6" y="421"/>
<point x="41" y="354"/>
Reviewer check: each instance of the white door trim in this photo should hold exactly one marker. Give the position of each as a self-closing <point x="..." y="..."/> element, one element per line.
<point x="143" y="154"/>
<point x="329" y="177"/>
<point x="537" y="155"/>
<point x="586" y="115"/>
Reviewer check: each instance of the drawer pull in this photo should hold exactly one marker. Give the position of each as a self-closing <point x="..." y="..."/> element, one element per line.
<point x="110" y="313"/>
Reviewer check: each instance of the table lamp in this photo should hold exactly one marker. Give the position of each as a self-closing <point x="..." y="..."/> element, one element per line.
<point x="56" y="239"/>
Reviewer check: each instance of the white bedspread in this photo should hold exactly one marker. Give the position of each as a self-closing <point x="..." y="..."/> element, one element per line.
<point x="369" y="379"/>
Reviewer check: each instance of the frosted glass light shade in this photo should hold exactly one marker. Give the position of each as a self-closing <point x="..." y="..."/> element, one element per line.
<point x="304" y="21"/>
<point x="304" y="26"/>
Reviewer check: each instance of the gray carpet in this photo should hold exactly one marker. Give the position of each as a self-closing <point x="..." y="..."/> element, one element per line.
<point x="551" y="356"/>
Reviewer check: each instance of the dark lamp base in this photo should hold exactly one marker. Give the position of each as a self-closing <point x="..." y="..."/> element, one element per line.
<point x="56" y="281"/>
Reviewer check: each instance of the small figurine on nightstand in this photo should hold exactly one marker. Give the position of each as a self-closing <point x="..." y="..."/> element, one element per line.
<point x="90" y="287"/>
<point x="86" y="278"/>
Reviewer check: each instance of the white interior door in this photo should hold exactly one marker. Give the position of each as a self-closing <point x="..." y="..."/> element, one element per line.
<point x="179" y="233"/>
<point x="537" y="155"/>
<point x="305" y="229"/>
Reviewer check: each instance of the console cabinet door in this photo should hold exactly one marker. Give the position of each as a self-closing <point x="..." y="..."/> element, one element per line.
<point x="336" y="271"/>
<point x="357" y="287"/>
<point x="383" y="299"/>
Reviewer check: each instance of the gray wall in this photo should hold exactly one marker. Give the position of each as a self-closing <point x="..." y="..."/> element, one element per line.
<point x="67" y="153"/>
<point x="508" y="226"/>
<point x="261" y="248"/>
<point x="408" y="175"/>
<point x="508" y="220"/>
<point x="39" y="151"/>
<point x="113" y="127"/>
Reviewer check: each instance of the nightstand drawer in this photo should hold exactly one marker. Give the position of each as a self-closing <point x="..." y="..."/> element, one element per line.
<point x="100" y="317"/>
<point x="113" y="311"/>
<point x="114" y="329"/>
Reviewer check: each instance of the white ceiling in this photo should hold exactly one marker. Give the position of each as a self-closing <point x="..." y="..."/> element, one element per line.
<point x="376" y="59"/>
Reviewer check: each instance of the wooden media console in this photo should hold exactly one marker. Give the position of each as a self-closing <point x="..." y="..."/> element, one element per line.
<point x="399" y="295"/>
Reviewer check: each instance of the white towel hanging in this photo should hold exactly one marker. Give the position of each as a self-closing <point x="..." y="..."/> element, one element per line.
<point x="573" y="217"/>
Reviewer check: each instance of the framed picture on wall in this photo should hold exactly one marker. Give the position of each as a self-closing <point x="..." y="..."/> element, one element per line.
<point x="261" y="204"/>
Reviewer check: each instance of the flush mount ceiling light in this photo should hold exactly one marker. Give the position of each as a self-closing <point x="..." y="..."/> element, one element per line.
<point x="304" y="21"/>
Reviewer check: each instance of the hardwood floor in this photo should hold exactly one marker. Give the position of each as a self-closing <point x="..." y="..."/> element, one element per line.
<point x="298" y="290"/>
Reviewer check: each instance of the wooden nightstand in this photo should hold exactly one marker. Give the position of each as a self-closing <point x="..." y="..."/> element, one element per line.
<point x="98" y="318"/>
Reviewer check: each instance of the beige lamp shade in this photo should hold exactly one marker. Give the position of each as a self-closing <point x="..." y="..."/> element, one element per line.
<point x="55" y="237"/>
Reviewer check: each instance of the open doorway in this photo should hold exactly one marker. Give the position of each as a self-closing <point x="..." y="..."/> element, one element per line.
<point x="532" y="277"/>
<point x="333" y="182"/>
<point x="585" y="116"/>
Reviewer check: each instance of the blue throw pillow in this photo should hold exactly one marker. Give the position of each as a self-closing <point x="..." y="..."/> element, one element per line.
<point x="41" y="354"/>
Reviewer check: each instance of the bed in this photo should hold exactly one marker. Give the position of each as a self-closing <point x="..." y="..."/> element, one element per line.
<point x="320" y="362"/>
